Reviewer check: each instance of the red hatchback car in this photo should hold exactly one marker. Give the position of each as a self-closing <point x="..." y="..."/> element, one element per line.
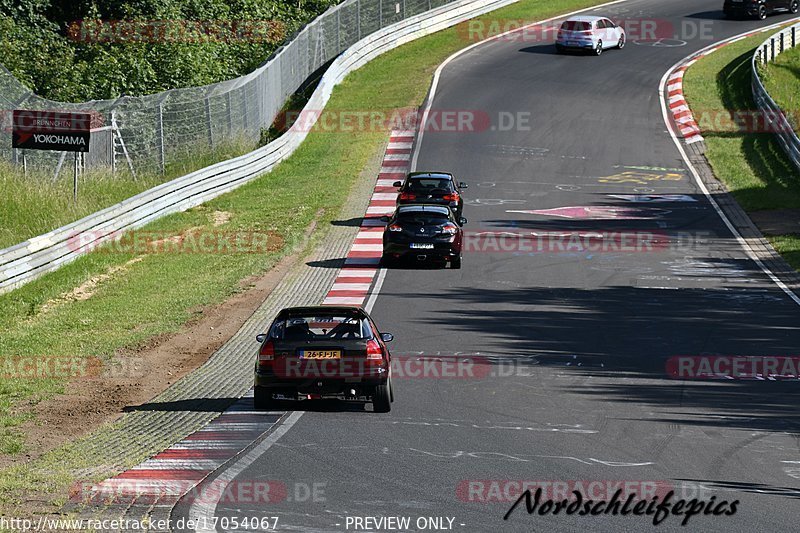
<point x="323" y="352"/>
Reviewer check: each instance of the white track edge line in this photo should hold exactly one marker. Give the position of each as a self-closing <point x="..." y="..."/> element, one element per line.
<point x="203" y="511"/>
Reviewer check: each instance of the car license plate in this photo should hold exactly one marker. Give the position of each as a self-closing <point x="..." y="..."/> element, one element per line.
<point x="421" y="245"/>
<point x="321" y="354"/>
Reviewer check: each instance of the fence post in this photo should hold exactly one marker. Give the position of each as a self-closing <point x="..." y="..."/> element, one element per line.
<point x="208" y="122"/>
<point x="794" y="30"/>
<point x="766" y="54"/>
<point x="782" y="49"/>
<point x="160" y="137"/>
<point x="772" y="48"/>
<point x="162" y="155"/>
<point x="230" y="112"/>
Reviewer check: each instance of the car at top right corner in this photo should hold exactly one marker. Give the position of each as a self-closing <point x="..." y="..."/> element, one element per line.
<point x="759" y="9"/>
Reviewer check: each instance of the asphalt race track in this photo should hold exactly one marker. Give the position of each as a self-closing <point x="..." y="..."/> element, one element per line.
<point x="571" y="382"/>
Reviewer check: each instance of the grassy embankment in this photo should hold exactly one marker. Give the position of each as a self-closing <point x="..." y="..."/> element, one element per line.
<point x="752" y="165"/>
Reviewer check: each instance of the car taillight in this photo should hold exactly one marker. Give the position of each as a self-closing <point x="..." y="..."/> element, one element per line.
<point x="395" y="227"/>
<point x="408" y="196"/>
<point x="374" y="351"/>
<point x="266" y="354"/>
<point x="450" y="229"/>
<point x="451" y="197"/>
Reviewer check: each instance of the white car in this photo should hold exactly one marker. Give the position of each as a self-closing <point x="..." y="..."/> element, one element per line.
<point x="589" y="33"/>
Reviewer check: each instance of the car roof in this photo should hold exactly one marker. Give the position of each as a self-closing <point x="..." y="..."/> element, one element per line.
<point x="584" y="18"/>
<point x="424" y="208"/>
<point x="444" y="175"/>
<point x="322" y="310"/>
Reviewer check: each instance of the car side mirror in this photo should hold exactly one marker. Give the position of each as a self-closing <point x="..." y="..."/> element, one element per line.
<point x="387" y="337"/>
<point x="462" y="185"/>
<point x="397" y="184"/>
<point x="462" y="221"/>
<point x="261" y="337"/>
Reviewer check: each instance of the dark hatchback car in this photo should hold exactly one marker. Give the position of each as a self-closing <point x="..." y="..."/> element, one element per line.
<point x="423" y="232"/>
<point x="323" y="352"/>
<point x="431" y="188"/>
<point x="758" y="8"/>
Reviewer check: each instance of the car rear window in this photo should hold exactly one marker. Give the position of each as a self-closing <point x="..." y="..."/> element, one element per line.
<point x="321" y="327"/>
<point x="575" y="25"/>
<point x="429" y="184"/>
<point x="422" y="217"/>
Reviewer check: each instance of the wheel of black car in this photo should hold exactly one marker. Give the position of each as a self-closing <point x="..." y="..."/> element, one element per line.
<point x="559" y="49"/>
<point x="386" y="261"/>
<point x="456" y="262"/>
<point x="262" y="399"/>
<point x="762" y="12"/>
<point x="381" y="398"/>
<point x="621" y="43"/>
<point x="599" y="48"/>
<point x="794" y="6"/>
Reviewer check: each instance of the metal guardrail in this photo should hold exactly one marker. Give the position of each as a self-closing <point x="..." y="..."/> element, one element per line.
<point x="778" y="122"/>
<point x="26" y="261"/>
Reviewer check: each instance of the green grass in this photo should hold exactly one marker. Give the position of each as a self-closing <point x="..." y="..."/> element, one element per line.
<point x="156" y="295"/>
<point x="753" y="166"/>
<point x="782" y="80"/>
<point x="35" y="204"/>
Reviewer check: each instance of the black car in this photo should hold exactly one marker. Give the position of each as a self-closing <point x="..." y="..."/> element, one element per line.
<point x="431" y="188"/>
<point x="323" y="352"/>
<point x="758" y="8"/>
<point x="423" y="232"/>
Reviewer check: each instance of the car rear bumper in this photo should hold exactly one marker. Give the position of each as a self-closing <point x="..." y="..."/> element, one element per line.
<point x="572" y="45"/>
<point x="323" y="387"/>
<point x="445" y="251"/>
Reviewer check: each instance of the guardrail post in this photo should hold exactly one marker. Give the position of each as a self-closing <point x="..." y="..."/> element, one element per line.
<point x="766" y="54"/>
<point x="794" y="31"/>
<point x="772" y="48"/>
<point x="782" y="48"/>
